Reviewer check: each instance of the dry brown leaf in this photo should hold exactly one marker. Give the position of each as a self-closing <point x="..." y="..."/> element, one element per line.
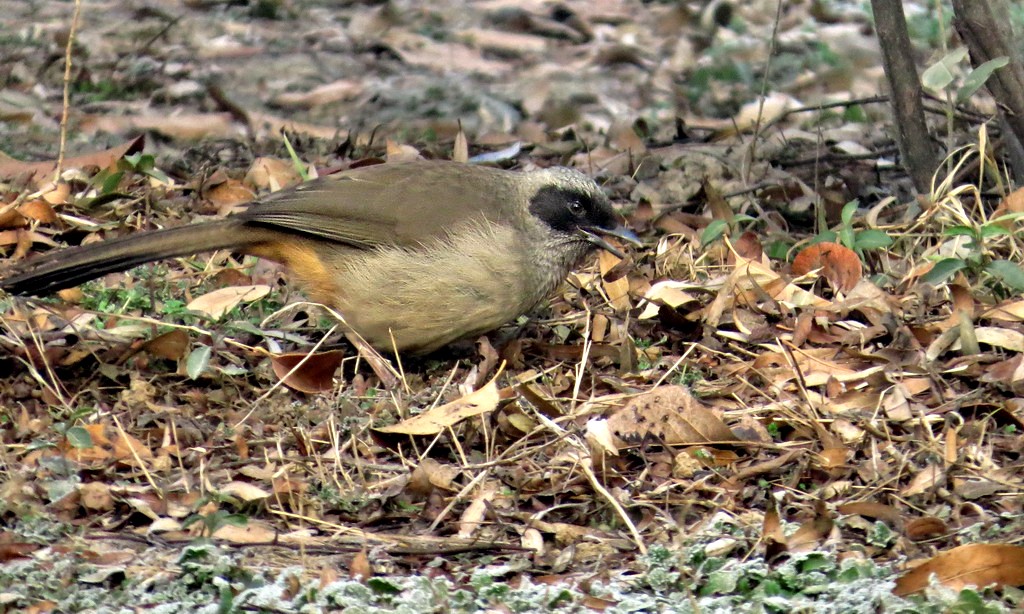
<point x="1008" y="311"/>
<point x="618" y="289"/>
<point x="926" y="527"/>
<point x="430" y="474"/>
<point x="360" y="569"/>
<point x="96" y="496"/>
<point x="670" y="293"/>
<point x="217" y="303"/>
<point x="812" y="532"/>
<point x="244" y="491"/>
<point x="44" y="171"/>
<point x="870" y="509"/>
<point x="435" y="420"/>
<point x="473" y="516"/>
<point x="839" y="264"/>
<point x="227" y="194"/>
<point x="336" y="91"/>
<point x="977" y="565"/>
<point x="39" y="210"/>
<point x="271" y="174"/>
<point x="669" y="415"/>
<point x="183" y="126"/>
<point x="126" y="448"/>
<point x="748" y="245"/>
<point x="17" y="550"/>
<point x="309" y="373"/>
<point x="172" y="345"/>
<point x="254" y="532"/>
<point x="925" y="480"/>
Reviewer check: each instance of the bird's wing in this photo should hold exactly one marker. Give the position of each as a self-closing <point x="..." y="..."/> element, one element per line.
<point x="388" y="204"/>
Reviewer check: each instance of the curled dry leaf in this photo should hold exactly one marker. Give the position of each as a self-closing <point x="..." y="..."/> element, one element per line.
<point x="430" y="474"/>
<point x="271" y="174"/>
<point x="925" y="527"/>
<point x="435" y="420"/>
<point x="839" y="264"/>
<point x="974" y="564"/>
<point x="309" y="373"/>
<point x="618" y="289"/>
<point x="669" y="415"/>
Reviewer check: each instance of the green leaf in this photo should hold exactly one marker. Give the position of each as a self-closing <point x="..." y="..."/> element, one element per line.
<point x="79" y="437"/>
<point x="847" y="237"/>
<point x="828" y="235"/>
<point x="848" y="210"/>
<point x="777" y="250"/>
<point x="940" y="74"/>
<point x="1007" y="272"/>
<point x="978" y="77"/>
<point x="198" y="361"/>
<point x="873" y="239"/>
<point x="296" y="161"/>
<point x="956" y="231"/>
<point x="238" y="520"/>
<point x="383" y="587"/>
<point x="855" y="114"/>
<point x="715" y="230"/>
<point x="1006" y="217"/>
<point x="992" y="230"/>
<point x="111" y="182"/>
<point x="943" y="270"/>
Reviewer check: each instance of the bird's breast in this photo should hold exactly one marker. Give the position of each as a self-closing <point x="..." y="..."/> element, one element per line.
<point x="421" y="298"/>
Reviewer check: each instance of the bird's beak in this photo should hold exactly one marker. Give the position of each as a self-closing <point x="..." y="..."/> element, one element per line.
<point x="596" y="235"/>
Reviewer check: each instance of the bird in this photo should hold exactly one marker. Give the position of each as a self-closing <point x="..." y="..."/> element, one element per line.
<point x="414" y="255"/>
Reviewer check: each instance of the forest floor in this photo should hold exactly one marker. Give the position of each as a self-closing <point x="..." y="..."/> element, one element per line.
<point x="800" y="394"/>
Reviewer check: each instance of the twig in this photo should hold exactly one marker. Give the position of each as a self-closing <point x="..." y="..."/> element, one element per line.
<point x="65" y="107"/>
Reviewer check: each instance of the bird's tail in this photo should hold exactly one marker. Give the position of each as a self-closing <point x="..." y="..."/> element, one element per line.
<point x="64" y="268"/>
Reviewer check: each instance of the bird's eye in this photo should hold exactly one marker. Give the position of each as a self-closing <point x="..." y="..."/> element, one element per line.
<point x="577" y="208"/>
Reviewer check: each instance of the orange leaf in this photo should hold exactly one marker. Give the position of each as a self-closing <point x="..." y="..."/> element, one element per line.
<point x="974" y="564"/>
<point x="839" y="265"/>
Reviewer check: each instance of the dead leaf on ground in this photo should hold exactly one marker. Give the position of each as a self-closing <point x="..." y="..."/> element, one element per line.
<point x="309" y="373"/>
<point x="669" y="415"/>
<point x="254" y="532"/>
<point x="977" y="565"/>
<point x="217" y="303"/>
<point x="44" y="171"/>
<point x="435" y="420"/>
<point x="172" y="345"/>
<point x="839" y="264"/>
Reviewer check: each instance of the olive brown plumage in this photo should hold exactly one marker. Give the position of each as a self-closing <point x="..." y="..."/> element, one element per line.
<point x="414" y="255"/>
